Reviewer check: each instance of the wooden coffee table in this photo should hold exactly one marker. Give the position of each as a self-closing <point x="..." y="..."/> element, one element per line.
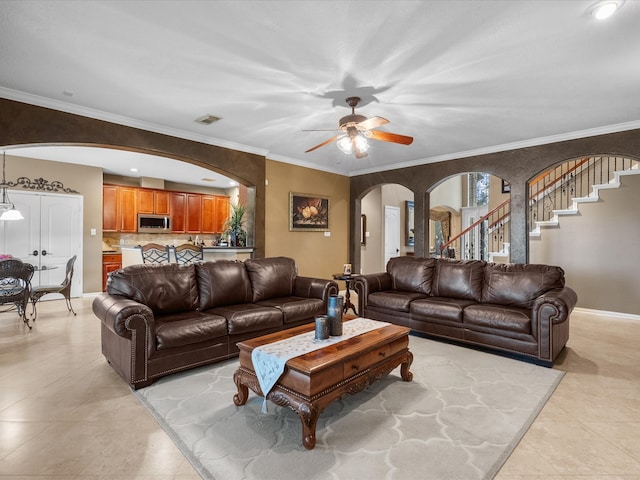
<point x="312" y="381"/>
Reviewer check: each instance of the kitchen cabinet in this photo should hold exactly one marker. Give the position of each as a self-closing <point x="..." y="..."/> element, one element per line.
<point x="194" y="213"/>
<point x="119" y="209"/>
<point x="178" y="211"/>
<point x="190" y="212"/>
<point x="154" y="202"/>
<point x="215" y="212"/>
<point x="110" y="263"/>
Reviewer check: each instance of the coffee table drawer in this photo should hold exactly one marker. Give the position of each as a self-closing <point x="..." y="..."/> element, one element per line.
<point x="358" y="364"/>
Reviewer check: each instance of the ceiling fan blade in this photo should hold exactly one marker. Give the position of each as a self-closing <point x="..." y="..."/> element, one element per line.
<point x="373" y="122"/>
<point x="332" y="139"/>
<point x="390" y="137"/>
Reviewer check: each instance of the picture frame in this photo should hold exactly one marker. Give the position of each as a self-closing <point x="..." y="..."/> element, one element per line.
<point x="409" y="233"/>
<point x="363" y="229"/>
<point x="308" y="212"/>
<point x="506" y="186"/>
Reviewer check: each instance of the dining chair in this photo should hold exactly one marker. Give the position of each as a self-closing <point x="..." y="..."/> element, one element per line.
<point x="64" y="289"/>
<point x="187" y="253"/>
<point x="154" y="253"/>
<point x="15" y="285"/>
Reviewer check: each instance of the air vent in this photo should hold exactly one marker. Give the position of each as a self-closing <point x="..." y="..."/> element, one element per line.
<point x="208" y="119"/>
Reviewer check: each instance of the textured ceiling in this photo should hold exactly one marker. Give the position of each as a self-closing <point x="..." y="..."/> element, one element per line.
<point x="461" y="77"/>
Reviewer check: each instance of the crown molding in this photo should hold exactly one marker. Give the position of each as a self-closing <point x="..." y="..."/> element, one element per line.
<point x="534" y="142"/>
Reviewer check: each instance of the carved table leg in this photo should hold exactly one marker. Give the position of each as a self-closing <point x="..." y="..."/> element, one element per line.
<point x="407" y="376"/>
<point x="242" y="396"/>
<point x="308" y="414"/>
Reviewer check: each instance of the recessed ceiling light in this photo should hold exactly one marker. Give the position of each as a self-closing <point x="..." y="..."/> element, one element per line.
<point x="207" y="119"/>
<point x="133" y="169"/>
<point x="233" y="184"/>
<point x="205" y="179"/>
<point x="605" y="8"/>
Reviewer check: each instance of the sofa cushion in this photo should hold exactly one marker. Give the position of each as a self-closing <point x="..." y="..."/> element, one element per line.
<point x="187" y="328"/>
<point x="498" y="317"/>
<point x="393" y="299"/>
<point x="519" y="285"/>
<point x="440" y="308"/>
<point x="411" y="274"/>
<point x="296" y="309"/>
<point x="249" y="317"/>
<point x="458" y="279"/>
<point x="271" y="277"/>
<point x="164" y="289"/>
<point x="224" y="282"/>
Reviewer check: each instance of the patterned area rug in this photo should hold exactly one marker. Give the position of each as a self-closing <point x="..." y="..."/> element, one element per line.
<point x="460" y="418"/>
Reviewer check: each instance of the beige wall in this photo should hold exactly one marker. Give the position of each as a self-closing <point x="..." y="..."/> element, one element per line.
<point x="599" y="249"/>
<point x="372" y="254"/>
<point x="87" y="181"/>
<point x="317" y="255"/>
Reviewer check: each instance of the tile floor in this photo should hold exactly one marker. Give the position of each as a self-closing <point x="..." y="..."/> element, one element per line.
<point x="66" y="415"/>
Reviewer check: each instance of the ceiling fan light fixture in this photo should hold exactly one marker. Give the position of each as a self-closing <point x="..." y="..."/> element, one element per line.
<point x="346" y="143"/>
<point x="605" y="8"/>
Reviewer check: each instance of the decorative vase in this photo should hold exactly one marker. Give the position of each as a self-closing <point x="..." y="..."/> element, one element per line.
<point x="334" y="312"/>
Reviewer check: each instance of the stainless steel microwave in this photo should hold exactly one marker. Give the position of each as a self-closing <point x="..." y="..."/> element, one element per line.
<point x="153" y="223"/>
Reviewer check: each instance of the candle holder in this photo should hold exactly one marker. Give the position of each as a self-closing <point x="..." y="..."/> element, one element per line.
<point x="335" y="306"/>
<point x="322" y="327"/>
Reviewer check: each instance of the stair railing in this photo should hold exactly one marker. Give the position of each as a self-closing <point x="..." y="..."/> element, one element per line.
<point x="554" y="189"/>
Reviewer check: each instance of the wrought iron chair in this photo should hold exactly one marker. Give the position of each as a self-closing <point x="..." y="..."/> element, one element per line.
<point x="154" y="253"/>
<point x="186" y="254"/>
<point x="15" y="285"/>
<point x="64" y="289"/>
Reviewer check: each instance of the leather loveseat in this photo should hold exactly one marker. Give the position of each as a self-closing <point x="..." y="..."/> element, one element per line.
<point x="162" y="319"/>
<point x="515" y="308"/>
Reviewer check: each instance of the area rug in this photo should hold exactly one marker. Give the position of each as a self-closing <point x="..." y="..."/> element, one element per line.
<point x="460" y="418"/>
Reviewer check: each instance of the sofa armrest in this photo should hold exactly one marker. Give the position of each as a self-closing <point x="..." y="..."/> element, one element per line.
<point x="308" y="287"/>
<point x="555" y="305"/>
<point x="118" y="312"/>
<point x="364" y="285"/>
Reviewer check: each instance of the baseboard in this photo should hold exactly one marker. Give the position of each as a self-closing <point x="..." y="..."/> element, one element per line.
<point x="588" y="311"/>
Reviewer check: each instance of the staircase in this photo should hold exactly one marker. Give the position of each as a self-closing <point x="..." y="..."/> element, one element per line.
<point x="626" y="167"/>
<point x="553" y="194"/>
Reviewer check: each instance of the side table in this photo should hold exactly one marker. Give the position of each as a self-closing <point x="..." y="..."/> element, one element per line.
<point x="347" y="280"/>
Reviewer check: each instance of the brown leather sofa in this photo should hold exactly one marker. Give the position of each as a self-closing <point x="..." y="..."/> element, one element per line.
<point x="162" y="319"/>
<point x="514" y="308"/>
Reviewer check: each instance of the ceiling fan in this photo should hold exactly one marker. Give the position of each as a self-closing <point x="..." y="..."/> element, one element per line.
<point x="356" y="129"/>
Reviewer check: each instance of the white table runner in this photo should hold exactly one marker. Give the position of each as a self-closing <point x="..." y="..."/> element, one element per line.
<point x="269" y="360"/>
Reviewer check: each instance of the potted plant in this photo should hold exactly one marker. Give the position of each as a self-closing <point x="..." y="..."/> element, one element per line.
<point x="234" y="225"/>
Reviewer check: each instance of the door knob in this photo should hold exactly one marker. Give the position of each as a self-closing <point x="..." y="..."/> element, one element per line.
<point x="35" y="253"/>
<point x="44" y="253"/>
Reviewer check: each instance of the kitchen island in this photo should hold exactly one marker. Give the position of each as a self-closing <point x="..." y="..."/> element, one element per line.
<point x="131" y="254"/>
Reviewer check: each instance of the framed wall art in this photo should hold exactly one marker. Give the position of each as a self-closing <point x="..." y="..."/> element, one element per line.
<point x="308" y="213"/>
<point x="409" y="234"/>
<point x="506" y="187"/>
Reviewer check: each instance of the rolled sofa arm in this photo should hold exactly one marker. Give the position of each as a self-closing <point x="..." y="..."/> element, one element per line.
<point x="556" y="305"/>
<point x="115" y="311"/>
<point x="364" y="285"/>
<point x="308" y="287"/>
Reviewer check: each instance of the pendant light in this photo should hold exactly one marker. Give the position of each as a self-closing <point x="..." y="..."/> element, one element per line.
<point x="7" y="208"/>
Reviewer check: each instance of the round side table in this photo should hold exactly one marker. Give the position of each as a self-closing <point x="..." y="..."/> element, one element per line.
<point x="347" y="280"/>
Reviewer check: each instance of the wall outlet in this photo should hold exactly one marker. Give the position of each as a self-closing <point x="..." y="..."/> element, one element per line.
<point x="93" y="232"/>
<point x="327" y="234"/>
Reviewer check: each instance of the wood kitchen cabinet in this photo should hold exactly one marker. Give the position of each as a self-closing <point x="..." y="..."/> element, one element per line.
<point x="155" y="202"/>
<point x="215" y="211"/>
<point x="194" y="213"/>
<point x="190" y="212"/>
<point x="110" y="263"/>
<point x="119" y="209"/>
<point x="178" y="211"/>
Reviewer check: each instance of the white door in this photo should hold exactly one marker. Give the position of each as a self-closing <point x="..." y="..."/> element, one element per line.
<point x="49" y="235"/>
<point x="391" y="233"/>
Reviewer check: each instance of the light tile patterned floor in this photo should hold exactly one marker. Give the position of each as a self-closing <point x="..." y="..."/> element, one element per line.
<point x="65" y="414"/>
